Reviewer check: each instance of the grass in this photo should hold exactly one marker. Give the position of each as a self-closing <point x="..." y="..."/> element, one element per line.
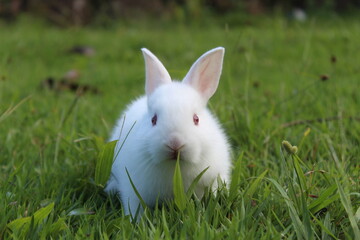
<point x="50" y="140"/>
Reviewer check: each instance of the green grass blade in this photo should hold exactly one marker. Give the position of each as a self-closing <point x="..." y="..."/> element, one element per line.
<point x="10" y="110"/>
<point x="17" y="224"/>
<point x="252" y="188"/>
<point x="104" y="163"/>
<point x="58" y="226"/>
<point x="323" y="227"/>
<point x="297" y="224"/>
<point x="42" y="213"/>
<point x="324" y="200"/>
<point x="192" y="187"/>
<point x="278" y="220"/>
<point x="303" y="196"/>
<point x="165" y="225"/>
<point x="118" y="149"/>
<point x="344" y="198"/>
<point x="299" y="173"/>
<point x="142" y="202"/>
<point x="178" y="187"/>
<point x="24" y="223"/>
<point x="235" y="178"/>
<point x="357" y="215"/>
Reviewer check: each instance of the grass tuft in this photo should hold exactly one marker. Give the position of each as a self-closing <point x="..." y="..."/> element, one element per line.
<point x="104" y="163"/>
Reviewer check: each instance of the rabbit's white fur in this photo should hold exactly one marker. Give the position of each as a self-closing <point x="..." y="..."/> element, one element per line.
<point x="149" y="151"/>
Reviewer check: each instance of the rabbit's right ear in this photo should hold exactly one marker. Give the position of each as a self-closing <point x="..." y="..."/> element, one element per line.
<point x="204" y="74"/>
<point x="156" y="73"/>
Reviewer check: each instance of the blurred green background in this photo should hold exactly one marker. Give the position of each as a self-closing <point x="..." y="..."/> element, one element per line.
<point x="84" y="12"/>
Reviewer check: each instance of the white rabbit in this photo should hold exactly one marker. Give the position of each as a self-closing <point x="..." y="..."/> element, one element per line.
<point x="172" y="117"/>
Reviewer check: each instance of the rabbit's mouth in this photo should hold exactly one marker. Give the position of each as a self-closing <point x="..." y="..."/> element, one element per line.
<point x="174" y="154"/>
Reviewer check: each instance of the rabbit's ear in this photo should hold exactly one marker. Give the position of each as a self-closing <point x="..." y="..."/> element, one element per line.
<point x="204" y="74"/>
<point x="156" y="74"/>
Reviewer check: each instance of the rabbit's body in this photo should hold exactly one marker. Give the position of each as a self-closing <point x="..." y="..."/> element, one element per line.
<point x="171" y="118"/>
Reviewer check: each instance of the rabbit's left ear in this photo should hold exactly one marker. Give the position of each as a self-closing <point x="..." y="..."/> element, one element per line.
<point x="156" y="73"/>
<point x="204" y="74"/>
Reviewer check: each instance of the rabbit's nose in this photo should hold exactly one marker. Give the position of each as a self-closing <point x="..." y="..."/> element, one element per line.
<point x="175" y="144"/>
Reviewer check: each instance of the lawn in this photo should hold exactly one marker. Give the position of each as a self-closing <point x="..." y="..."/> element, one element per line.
<point x="282" y="80"/>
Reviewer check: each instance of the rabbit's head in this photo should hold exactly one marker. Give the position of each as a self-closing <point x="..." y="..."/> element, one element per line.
<point x="177" y="120"/>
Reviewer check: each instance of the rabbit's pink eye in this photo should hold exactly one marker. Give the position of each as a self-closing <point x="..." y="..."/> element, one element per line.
<point x="196" y="119"/>
<point x="154" y="120"/>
